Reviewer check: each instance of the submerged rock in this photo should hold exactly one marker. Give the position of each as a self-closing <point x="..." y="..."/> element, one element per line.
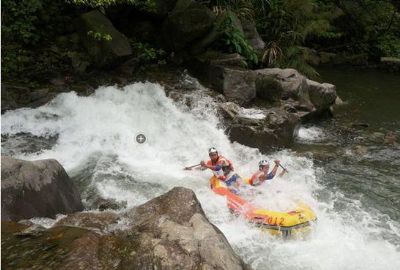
<point x="36" y="189"/>
<point x="95" y="201"/>
<point x="390" y="138"/>
<point x="168" y="232"/>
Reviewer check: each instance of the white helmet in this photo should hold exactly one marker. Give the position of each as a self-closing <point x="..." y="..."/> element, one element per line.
<point x="212" y="150"/>
<point x="263" y="162"/>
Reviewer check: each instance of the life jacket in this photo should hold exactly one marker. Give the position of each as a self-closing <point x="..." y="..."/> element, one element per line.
<point x="223" y="167"/>
<point x="257" y="178"/>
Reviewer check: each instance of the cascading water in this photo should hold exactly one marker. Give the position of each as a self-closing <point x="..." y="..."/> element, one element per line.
<point x="94" y="139"/>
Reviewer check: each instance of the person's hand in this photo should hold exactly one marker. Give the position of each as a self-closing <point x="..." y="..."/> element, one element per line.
<point x="202" y="163"/>
<point x="277" y="162"/>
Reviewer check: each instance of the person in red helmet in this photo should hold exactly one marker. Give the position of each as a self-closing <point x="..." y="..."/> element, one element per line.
<point x="222" y="169"/>
<point x="262" y="174"/>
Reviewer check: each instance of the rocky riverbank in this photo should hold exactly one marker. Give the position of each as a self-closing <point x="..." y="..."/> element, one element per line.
<point x="287" y="97"/>
<point x="167" y="232"/>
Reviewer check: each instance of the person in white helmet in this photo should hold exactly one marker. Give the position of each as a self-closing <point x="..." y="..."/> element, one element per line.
<point x="262" y="174"/>
<point x="222" y="169"/>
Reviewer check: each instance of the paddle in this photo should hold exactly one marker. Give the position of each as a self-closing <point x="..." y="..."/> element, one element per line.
<point x="283" y="168"/>
<point x="191" y="167"/>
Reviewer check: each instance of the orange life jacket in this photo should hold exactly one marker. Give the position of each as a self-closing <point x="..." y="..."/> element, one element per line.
<point x="222" y="167"/>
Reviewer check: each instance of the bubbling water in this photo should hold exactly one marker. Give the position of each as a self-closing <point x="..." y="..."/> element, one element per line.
<point x="101" y="129"/>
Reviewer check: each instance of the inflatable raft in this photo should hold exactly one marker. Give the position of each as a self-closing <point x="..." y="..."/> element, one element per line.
<point x="293" y="223"/>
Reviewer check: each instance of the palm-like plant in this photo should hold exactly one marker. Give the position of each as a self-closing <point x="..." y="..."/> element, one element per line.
<point x="272" y="54"/>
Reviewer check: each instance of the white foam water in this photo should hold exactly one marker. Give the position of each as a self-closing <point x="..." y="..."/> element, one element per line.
<point x="102" y="128"/>
<point x="252" y="113"/>
<point x="311" y="134"/>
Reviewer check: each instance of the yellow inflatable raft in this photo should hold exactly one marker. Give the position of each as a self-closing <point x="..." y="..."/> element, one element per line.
<point x="292" y="223"/>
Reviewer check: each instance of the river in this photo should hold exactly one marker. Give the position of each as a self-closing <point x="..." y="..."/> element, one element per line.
<point x="355" y="195"/>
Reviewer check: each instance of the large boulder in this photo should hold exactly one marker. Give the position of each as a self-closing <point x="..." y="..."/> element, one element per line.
<point x="239" y="85"/>
<point x="322" y="96"/>
<point x="188" y="22"/>
<point x="36" y="189"/>
<point x="209" y="67"/>
<point x="226" y="74"/>
<point x="289" y="81"/>
<point x="265" y="129"/>
<point x="292" y="87"/>
<point x="168" y="232"/>
<point x="105" y="44"/>
<point x="268" y="88"/>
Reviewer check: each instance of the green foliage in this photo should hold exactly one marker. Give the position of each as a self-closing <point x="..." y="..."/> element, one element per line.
<point x="242" y="8"/>
<point x="235" y="41"/>
<point x="14" y="59"/>
<point x="297" y="57"/>
<point x="146" y="54"/>
<point x="290" y="22"/>
<point x="99" y="36"/>
<point x="19" y="21"/>
<point x="365" y="24"/>
<point x="26" y="25"/>
<point x="148" y="5"/>
<point x="389" y="45"/>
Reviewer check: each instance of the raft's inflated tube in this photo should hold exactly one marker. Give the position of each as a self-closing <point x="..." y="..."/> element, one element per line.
<point x="289" y="223"/>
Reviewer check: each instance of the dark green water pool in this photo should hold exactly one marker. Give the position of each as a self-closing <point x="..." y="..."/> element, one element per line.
<point x="358" y="150"/>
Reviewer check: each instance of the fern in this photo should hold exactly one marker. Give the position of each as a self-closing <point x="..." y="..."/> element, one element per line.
<point x="235" y="40"/>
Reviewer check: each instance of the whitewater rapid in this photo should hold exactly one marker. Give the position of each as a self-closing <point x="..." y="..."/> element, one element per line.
<point x="94" y="139"/>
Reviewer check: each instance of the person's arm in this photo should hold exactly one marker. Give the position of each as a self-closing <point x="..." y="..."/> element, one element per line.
<point x="273" y="172"/>
<point x="211" y="167"/>
<point x="217" y="169"/>
<point x="282" y="173"/>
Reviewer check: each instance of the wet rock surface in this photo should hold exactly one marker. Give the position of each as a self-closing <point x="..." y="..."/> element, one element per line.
<point x="36" y="189"/>
<point x="168" y="232"/>
<point x="276" y="130"/>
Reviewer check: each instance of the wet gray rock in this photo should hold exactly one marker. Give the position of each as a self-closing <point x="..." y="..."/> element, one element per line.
<point x="209" y="68"/>
<point x="97" y="221"/>
<point x="289" y="82"/>
<point x="278" y="129"/>
<point x="229" y="110"/>
<point x="168" y="232"/>
<point x="36" y="189"/>
<point x="224" y="74"/>
<point x="322" y="96"/>
<point x="239" y="86"/>
<point x="268" y="88"/>
<point x="97" y="202"/>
